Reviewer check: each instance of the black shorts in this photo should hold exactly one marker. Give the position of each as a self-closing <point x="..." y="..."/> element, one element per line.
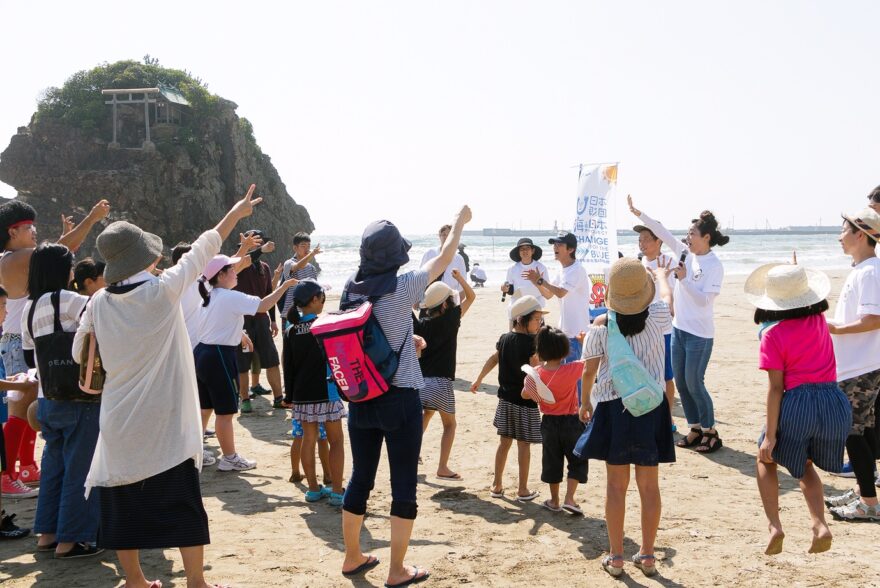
<point x="257" y="328"/>
<point x="217" y="378"/>
<point x="560" y="434"/>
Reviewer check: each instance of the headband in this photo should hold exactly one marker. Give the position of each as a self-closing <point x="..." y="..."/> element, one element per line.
<point x="20" y="224"/>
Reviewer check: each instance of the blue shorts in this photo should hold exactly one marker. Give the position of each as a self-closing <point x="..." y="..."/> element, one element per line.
<point x="667" y="362"/>
<point x="814" y="422"/>
<point x="296" y="430"/>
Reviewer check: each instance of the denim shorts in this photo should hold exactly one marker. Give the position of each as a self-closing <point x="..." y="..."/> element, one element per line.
<point x="667" y="360"/>
<point x="12" y="354"/>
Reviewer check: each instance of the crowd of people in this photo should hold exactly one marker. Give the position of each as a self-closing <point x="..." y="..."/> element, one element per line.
<point x="188" y="342"/>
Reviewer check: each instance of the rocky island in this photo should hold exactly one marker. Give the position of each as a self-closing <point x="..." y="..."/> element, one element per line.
<point x="169" y="156"/>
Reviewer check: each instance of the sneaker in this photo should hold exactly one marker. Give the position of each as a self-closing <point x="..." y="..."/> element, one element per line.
<point x="246" y="407"/>
<point x="10" y="488"/>
<point x="857" y="511"/>
<point x="8" y="528"/>
<point x="29" y="475"/>
<point x="208" y="458"/>
<point x="258" y="390"/>
<point x="209" y="433"/>
<point x="842" y="499"/>
<point x="235" y="462"/>
<point x="846" y="472"/>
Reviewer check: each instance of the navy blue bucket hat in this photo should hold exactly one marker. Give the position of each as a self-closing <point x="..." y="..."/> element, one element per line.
<point x="383" y="249"/>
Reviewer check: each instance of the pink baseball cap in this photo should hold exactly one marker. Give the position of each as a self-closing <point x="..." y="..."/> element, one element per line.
<point x="218" y="263"/>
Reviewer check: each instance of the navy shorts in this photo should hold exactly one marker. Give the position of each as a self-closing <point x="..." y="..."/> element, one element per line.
<point x="217" y="378"/>
<point x="560" y="433"/>
<point x="617" y="437"/>
<point x="667" y="360"/>
<point x="814" y="422"/>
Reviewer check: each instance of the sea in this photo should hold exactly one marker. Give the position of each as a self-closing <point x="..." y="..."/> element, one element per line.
<point x="339" y="257"/>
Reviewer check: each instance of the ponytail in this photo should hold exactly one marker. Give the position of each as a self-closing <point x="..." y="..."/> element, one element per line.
<point x="293" y="315"/>
<point x="206" y="296"/>
<point x="707" y="224"/>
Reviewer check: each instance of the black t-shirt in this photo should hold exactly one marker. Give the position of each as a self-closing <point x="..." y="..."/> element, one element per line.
<point x="305" y="372"/>
<point x="441" y="335"/>
<point x="514" y="350"/>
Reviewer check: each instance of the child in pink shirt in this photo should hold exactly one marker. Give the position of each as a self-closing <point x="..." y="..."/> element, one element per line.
<point x="560" y="426"/>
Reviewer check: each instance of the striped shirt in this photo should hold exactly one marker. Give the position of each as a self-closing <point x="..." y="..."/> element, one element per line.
<point x="307" y="272"/>
<point x="70" y="307"/>
<point x="648" y="346"/>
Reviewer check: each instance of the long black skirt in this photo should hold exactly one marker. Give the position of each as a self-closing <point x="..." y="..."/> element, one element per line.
<point x="160" y="512"/>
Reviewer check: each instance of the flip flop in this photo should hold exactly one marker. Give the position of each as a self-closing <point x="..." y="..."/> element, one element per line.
<point x="494" y="494"/>
<point x="527" y="497"/>
<point x="549" y="506"/>
<point x="573" y="510"/>
<point x="47" y="547"/>
<point x="454" y="476"/>
<point x="372" y="562"/>
<point x="418" y="576"/>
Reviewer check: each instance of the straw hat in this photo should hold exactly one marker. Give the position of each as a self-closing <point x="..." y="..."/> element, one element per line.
<point x="525" y="305"/>
<point x="867" y="221"/>
<point x="435" y="295"/>
<point x="127" y="249"/>
<point x="782" y="286"/>
<point x="630" y="288"/>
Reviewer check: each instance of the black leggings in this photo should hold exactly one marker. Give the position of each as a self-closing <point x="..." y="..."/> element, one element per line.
<point x="861" y="456"/>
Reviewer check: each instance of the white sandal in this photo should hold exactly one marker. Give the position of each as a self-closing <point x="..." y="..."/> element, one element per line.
<point x="639" y="561"/>
<point x="608" y="560"/>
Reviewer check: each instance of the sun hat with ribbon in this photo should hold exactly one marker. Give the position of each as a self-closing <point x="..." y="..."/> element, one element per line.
<point x="867" y="221"/>
<point x="525" y="305"/>
<point x="784" y="286"/>
<point x="127" y="249"/>
<point x="630" y="288"/>
<point x="435" y="295"/>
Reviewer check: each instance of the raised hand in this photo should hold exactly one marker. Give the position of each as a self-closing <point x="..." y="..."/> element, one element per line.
<point x="66" y="224"/>
<point x="100" y="210"/>
<point x="268" y="247"/>
<point x="632" y="208"/>
<point x="250" y="242"/>
<point x="245" y="207"/>
<point x="465" y="214"/>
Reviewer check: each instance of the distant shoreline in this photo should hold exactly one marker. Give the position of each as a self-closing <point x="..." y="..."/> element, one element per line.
<point x="806" y="230"/>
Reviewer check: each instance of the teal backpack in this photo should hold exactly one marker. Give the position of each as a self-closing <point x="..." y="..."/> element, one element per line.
<point x="637" y="388"/>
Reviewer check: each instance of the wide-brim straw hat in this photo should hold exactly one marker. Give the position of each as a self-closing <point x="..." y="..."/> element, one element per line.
<point x="630" y="288"/>
<point x="867" y="221"/>
<point x="784" y="286"/>
<point x="525" y="305"/>
<point x="127" y="249"/>
<point x="537" y="252"/>
<point x="435" y="295"/>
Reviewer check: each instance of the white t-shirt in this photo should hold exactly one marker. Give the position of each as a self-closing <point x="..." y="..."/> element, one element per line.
<point x="694" y="297"/>
<point x="522" y="286"/>
<point x="221" y="322"/>
<point x="858" y="353"/>
<point x="669" y="261"/>
<point x="574" y="307"/>
<point x="190" y="303"/>
<point x="456" y="263"/>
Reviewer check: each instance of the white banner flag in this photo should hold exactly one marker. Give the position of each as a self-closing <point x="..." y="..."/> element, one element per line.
<point x="595" y="227"/>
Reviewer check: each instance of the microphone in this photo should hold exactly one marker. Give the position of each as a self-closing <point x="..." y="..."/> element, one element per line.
<point x="682" y="258"/>
<point x="509" y="290"/>
<point x="640" y="256"/>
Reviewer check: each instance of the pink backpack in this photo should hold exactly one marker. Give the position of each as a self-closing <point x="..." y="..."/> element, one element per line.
<point x="361" y="360"/>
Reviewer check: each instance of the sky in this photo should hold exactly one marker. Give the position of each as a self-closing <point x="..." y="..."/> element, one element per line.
<point x="764" y="112"/>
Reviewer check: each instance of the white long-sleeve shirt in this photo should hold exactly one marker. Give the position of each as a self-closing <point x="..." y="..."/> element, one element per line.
<point x="150" y="417"/>
<point x="694" y="296"/>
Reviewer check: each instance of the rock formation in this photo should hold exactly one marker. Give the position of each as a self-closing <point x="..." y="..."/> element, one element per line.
<point x="176" y="190"/>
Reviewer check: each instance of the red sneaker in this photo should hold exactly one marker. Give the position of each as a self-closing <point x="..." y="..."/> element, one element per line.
<point x="30" y="475"/>
<point x="15" y="489"/>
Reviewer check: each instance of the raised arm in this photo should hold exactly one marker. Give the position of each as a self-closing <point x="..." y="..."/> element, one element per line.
<point x="657" y="228"/>
<point x="469" y="294"/>
<point x="436" y="266"/>
<point x="268" y="303"/>
<point x="73" y="238"/>
<point x="242" y="209"/>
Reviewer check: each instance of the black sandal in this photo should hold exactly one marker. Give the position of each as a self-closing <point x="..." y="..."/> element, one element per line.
<point x="707" y="446"/>
<point x="687" y="444"/>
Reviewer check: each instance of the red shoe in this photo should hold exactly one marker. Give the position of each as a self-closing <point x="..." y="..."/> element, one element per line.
<point x="15" y="489"/>
<point x="30" y="475"/>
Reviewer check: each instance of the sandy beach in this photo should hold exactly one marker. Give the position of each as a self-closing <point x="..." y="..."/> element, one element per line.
<point x="712" y="532"/>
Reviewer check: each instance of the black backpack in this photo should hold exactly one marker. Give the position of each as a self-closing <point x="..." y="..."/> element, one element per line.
<point x="59" y="374"/>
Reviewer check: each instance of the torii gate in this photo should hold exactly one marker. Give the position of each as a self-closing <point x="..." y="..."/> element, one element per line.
<point x="146" y="101"/>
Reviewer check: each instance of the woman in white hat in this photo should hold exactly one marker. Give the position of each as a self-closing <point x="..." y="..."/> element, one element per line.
<point x="149" y="449"/>
<point x="516" y="418"/>
<point x="808" y="416"/>
<point x="438" y="326"/>
<point x="615" y="436"/>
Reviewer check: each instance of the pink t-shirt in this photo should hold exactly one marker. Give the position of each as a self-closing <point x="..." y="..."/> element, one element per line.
<point x="562" y="383"/>
<point x="802" y="349"/>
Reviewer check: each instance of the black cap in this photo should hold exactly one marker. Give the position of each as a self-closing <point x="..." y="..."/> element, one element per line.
<point x="567" y="239"/>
